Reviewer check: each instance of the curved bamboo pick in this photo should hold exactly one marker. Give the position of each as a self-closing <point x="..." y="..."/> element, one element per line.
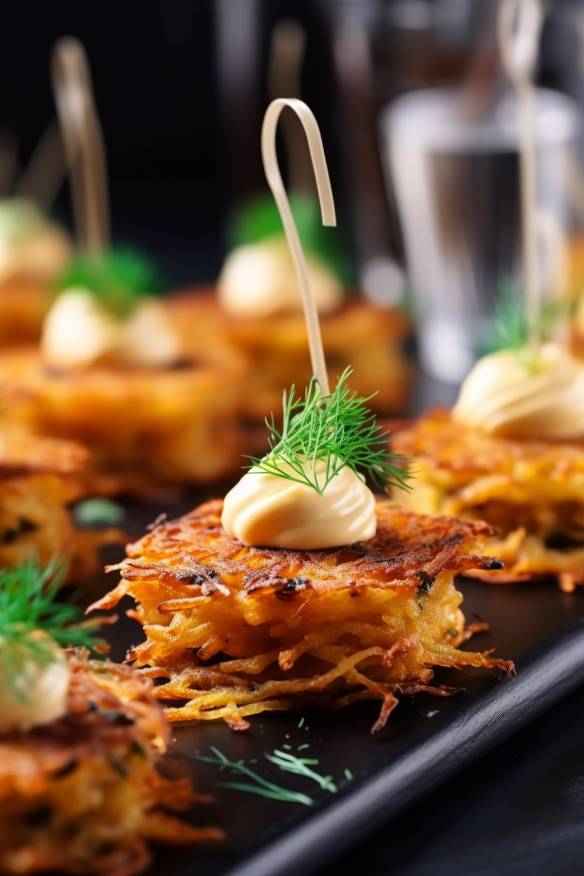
<point x="519" y="25"/>
<point x="327" y="208"/>
<point x="83" y="142"/>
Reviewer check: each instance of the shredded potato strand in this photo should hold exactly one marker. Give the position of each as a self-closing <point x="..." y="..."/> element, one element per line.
<point x="232" y="631"/>
<point x="530" y="492"/>
<point x="83" y="795"/>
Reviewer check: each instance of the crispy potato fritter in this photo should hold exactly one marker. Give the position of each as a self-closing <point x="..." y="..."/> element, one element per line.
<point x="83" y="795"/>
<point x="368" y="338"/>
<point x="530" y="492"/>
<point x="39" y="478"/>
<point x="143" y="427"/>
<point x="232" y="630"/>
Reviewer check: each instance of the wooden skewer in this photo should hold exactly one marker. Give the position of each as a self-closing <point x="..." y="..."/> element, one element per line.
<point x="84" y="145"/>
<point x="45" y="172"/>
<point x="286" y="58"/>
<point x="519" y="24"/>
<point x="327" y="209"/>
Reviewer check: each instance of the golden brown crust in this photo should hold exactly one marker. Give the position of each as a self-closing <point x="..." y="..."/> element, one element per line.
<point x="82" y="795"/>
<point x="368" y="338"/>
<point x="530" y="492"/>
<point x="469" y="452"/>
<point x="24" y="454"/>
<point x="24" y="302"/>
<point x="107" y="705"/>
<point x="39" y="479"/>
<point x="196" y="551"/>
<point x="291" y="629"/>
<point x="143" y="427"/>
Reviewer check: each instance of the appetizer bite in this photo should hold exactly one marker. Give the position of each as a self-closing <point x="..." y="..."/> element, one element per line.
<point x="80" y="741"/>
<point x="510" y="453"/>
<point x="112" y="374"/>
<point x="302" y="589"/>
<point x="111" y="371"/>
<point x="256" y="308"/>
<point x="39" y="480"/>
<point x="33" y="252"/>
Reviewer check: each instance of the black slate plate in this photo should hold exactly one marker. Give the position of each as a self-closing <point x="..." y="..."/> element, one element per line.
<point x="427" y="739"/>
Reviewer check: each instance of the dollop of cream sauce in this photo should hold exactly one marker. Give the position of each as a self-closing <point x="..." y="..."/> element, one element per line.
<point x="264" y="510"/>
<point x="30" y="245"/>
<point x="79" y="332"/>
<point x="44" y="700"/>
<point x="518" y="394"/>
<point x="260" y="280"/>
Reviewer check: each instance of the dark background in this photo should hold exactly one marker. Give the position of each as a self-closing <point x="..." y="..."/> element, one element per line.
<point x="180" y="150"/>
<point x="180" y="86"/>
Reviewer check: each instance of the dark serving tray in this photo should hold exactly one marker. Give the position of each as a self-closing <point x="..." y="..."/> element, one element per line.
<point x="427" y="738"/>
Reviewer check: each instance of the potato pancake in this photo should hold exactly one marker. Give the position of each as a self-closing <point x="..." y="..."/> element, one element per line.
<point x="24" y="302"/>
<point x="232" y="631"/>
<point x="83" y="794"/>
<point x="143" y="427"/>
<point x="530" y="492"/>
<point x="368" y="338"/>
<point x="39" y="478"/>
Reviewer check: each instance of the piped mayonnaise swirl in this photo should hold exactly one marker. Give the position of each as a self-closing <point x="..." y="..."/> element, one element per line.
<point x="519" y="394"/>
<point x="44" y="698"/>
<point x="78" y="332"/>
<point x="264" y="510"/>
<point x="259" y="280"/>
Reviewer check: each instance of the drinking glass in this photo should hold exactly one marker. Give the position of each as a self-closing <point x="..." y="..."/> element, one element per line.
<point x="455" y="178"/>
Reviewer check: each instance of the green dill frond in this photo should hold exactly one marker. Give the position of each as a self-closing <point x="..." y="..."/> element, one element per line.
<point x="260" y="220"/>
<point x="510" y="328"/>
<point x="120" y="279"/>
<point x="29" y="607"/>
<point x="255" y="783"/>
<point x="302" y="766"/>
<point x="339" y="430"/>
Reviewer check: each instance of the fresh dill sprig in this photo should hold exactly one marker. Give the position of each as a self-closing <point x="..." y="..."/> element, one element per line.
<point x="510" y="326"/>
<point x="285" y="761"/>
<point x="33" y="622"/>
<point x="120" y="279"/>
<point x="260" y="220"/>
<point x="302" y="766"/>
<point x="339" y="430"/>
<point x="257" y="784"/>
<point x="510" y="330"/>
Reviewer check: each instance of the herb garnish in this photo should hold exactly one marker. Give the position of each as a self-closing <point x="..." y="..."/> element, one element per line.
<point x="98" y="512"/>
<point x="510" y="330"/>
<point x="288" y="763"/>
<point x="510" y="327"/>
<point x="338" y="430"/>
<point x="260" y="220"/>
<point x="257" y="784"/>
<point x="33" y="623"/>
<point x="301" y="766"/>
<point x="120" y="279"/>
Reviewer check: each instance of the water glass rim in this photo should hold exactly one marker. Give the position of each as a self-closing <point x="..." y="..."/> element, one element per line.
<point x="433" y="117"/>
